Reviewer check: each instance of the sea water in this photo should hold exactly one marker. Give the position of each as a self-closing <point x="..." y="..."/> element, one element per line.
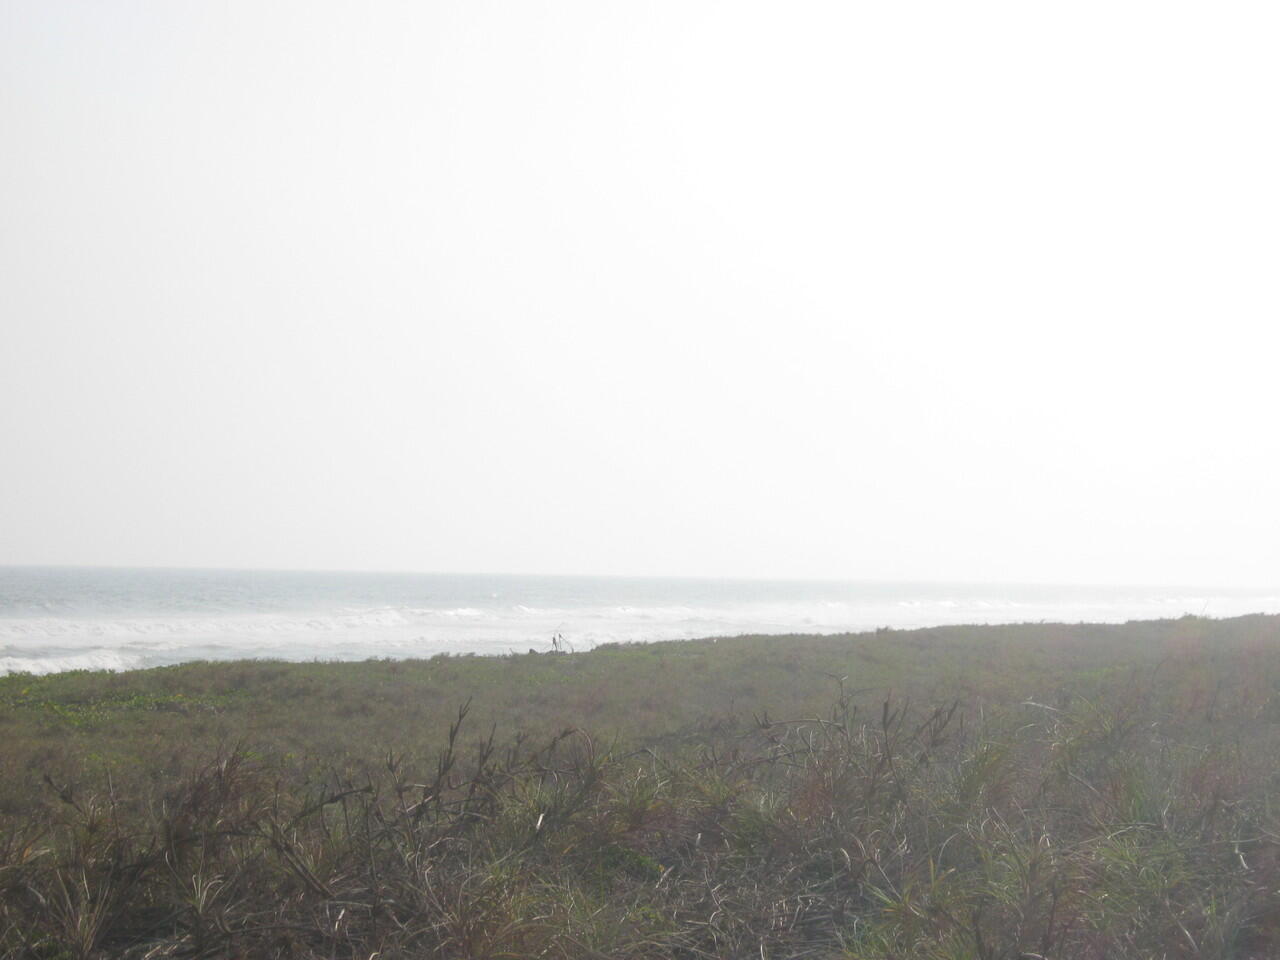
<point x="64" y="618"/>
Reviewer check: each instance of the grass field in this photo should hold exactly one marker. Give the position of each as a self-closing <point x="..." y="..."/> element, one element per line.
<point x="1035" y="791"/>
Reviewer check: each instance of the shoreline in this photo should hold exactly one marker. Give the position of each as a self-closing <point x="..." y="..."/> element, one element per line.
<point x="563" y="646"/>
<point x="52" y="620"/>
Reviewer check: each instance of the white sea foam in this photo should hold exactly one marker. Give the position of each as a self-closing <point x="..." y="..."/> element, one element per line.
<point x="85" y="660"/>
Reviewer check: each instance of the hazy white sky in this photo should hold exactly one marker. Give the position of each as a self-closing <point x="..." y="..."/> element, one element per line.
<point x="980" y="291"/>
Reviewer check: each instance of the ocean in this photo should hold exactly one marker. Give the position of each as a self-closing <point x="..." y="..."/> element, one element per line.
<point x="63" y="618"/>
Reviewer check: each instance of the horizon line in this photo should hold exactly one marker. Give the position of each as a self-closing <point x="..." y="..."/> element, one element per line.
<point x="720" y="578"/>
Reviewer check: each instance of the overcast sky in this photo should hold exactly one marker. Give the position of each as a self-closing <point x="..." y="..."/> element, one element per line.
<point x="891" y="290"/>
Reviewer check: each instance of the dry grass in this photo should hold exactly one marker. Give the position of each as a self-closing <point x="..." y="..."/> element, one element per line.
<point x="1037" y="792"/>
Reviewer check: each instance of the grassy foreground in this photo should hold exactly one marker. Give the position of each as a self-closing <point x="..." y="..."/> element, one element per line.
<point x="1039" y="791"/>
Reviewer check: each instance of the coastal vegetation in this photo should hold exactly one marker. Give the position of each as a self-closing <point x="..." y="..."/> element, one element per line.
<point x="963" y="793"/>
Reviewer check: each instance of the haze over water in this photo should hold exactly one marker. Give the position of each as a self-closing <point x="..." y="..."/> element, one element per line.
<point x="54" y="619"/>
